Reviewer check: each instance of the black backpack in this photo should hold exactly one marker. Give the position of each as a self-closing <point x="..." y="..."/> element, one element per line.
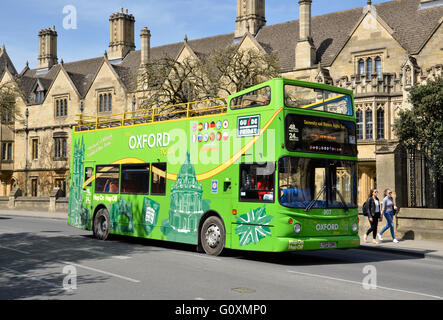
<point x="365" y="208"/>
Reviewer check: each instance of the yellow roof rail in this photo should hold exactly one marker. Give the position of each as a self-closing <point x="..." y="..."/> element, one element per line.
<point x="181" y="111"/>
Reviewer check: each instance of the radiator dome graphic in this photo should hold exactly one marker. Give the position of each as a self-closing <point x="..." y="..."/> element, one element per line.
<point x="186" y="207"/>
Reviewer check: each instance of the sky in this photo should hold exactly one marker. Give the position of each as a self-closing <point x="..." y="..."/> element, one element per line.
<point x="83" y="25"/>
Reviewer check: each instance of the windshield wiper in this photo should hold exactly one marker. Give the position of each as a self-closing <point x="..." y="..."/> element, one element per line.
<point x="341" y="198"/>
<point x="311" y="204"/>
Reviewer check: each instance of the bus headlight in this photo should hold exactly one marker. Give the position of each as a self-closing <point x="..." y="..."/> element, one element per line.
<point x="297" y="228"/>
<point x="355" y="227"/>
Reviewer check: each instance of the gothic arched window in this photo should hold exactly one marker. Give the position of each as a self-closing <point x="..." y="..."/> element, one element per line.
<point x="101" y="104"/>
<point x="359" y="115"/>
<point x="361" y="67"/>
<point x="368" y="68"/>
<point x="109" y="102"/>
<point x="61" y="107"/>
<point x="378" y="67"/>
<point x="368" y="116"/>
<point x="380" y="124"/>
<point x="105" y="102"/>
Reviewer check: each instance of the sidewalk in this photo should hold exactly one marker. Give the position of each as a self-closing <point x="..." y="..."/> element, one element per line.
<point x="417" y="248"/>
<point x="35" y="214"/>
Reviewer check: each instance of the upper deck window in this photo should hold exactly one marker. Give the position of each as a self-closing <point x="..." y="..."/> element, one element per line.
<point x="318" y="99"/>
<point x="257" y="98"/>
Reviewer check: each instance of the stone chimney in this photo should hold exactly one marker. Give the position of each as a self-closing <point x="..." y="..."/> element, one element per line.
<point x="121" y="34"/>
<point x="305" y="51"/>
<point x="250" y="17"/>
<point x="145" y="37"/>
<point x="47" y="48"/>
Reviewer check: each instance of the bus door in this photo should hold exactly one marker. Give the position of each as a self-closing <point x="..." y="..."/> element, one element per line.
<point x="225" y="193"/>
<point x="256" y="193"/>
<point x="257" y="182"/>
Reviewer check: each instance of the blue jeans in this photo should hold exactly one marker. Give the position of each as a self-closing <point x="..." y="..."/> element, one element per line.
<point x="389" y="215"/>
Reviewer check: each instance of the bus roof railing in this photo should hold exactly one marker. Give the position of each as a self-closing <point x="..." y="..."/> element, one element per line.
<point x="181" y="111"/>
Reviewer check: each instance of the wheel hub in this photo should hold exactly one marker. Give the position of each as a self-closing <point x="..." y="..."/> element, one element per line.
<point x="213" y="235"/>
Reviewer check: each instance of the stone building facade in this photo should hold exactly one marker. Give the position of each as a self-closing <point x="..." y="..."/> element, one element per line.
<point x="378" y="51"/>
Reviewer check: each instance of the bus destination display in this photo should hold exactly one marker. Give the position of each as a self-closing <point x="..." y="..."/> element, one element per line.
<point x="320" y="135"/>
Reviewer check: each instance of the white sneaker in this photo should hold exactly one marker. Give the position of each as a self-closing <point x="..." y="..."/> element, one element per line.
<point x="379" y="237"/>
<point x="395" y="241"/>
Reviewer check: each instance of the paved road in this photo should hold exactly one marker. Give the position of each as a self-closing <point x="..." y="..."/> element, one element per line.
<point x="39" y="255"/>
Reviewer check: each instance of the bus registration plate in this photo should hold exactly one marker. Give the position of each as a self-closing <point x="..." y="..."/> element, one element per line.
<point x="328" y="244"/>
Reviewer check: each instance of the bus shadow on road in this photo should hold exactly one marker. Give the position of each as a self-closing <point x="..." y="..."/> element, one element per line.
<point x="319" y="257"/>
<point x="33" y="265"/>
<point x="153" y="244"/>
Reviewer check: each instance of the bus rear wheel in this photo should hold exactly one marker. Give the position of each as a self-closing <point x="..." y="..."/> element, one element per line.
<point x="102" y="224"/>
<point x="212" y="236"/>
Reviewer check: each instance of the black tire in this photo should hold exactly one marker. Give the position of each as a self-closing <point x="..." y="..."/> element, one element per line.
<point x="102" y="224"/>
<point x="212" y="236"/>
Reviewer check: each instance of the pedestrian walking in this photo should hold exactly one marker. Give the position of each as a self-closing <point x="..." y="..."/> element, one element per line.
<point x="373" y="215"/>
<point x="388" y="210"/>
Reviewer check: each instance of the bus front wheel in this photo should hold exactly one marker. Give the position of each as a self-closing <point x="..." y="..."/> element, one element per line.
<point x="102" y="224"/>
<point x="212" y="236"/>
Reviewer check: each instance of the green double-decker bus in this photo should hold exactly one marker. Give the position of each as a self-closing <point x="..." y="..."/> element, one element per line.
<point x="270" y="168"/>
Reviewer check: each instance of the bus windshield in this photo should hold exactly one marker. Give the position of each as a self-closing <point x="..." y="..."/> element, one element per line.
<point x="317" y="183"/>
<point x="318" y="99"/>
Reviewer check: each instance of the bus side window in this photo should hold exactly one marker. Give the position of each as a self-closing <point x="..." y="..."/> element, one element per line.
<point x="107" y="179"/>
<point x="135" y="178"/>
<point x="158" y="179"/>
<point x="257" y="182"/>
<point x="88" y="175"/>
<point x="258" y="98"/>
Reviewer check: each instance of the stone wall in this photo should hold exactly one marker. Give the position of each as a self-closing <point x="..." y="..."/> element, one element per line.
<point x="34" y="204"/>
<point x="53" y="203"/>
<point x="421" y="224"/>
<point x="410" y="224"/>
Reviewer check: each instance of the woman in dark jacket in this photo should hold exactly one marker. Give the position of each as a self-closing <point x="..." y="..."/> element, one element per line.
<point x="373" y="215"/>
